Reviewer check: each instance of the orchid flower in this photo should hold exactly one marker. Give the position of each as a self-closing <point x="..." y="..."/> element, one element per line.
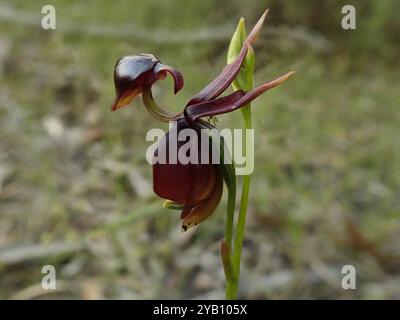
<point x="196" y="189"/>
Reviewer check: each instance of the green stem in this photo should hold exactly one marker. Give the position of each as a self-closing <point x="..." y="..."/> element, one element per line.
<point x="231" y="289"/>
<point x="241" y="223"/>
<point x="229" y="221"/>
<point x="230" y="276"/>
<point x="227" y="170"/>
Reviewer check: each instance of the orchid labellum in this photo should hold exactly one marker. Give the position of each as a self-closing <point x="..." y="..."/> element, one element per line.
<point x="195" y="188"/>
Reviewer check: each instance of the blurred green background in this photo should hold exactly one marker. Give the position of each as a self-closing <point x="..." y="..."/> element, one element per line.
<point x="75" y="189"/>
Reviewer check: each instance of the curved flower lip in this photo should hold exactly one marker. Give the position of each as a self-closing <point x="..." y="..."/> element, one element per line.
<point x="134" y="74"/>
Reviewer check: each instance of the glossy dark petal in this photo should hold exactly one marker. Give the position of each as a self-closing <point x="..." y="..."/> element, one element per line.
<point x="222" y="82"/>
<point x="215" y="107"/>
<point x="175" y="181"/>
<point x="171" y="181"/>
<point x="130" y="68"/>
<point x="229" y="73"/>
<point x="216" y="104"/>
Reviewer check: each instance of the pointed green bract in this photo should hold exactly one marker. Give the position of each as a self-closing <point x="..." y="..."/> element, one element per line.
<point x="237" y="40"/>
<point x="244" y="80"/>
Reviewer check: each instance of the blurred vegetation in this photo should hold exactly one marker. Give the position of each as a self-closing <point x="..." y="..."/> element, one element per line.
<point x="75" y="189"/>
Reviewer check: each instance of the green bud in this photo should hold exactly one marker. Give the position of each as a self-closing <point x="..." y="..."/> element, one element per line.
<point x="237" y="40"/>
<point x="244" y="80"/>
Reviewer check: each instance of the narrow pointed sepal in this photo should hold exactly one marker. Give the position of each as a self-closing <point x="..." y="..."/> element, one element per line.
<point x="216" y="107"/>
<point x="229" y="73"/>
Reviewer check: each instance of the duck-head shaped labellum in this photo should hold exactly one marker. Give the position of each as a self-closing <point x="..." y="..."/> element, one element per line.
<point x="134" y="74"/>
<point x="196" y="187"/>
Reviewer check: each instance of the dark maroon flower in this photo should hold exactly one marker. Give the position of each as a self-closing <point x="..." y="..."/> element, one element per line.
<point x="196" y="188"/>
<point x="134" y="74"/>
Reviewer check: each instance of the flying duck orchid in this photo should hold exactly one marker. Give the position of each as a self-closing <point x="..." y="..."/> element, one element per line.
<point x="194" y="188"/>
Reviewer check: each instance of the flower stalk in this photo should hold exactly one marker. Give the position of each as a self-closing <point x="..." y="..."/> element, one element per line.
<point x="244" y="82"/>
